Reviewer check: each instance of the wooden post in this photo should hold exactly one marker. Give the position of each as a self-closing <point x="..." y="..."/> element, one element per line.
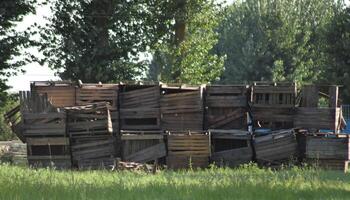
<point x="333" y="96"/>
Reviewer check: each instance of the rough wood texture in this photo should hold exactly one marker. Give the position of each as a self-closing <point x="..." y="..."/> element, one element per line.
<point x="93" y="119"/>
<point x="49" y="152"/>
<point x="140" y="147"/>
<point x="230" y="147"/>
<point x="275" y="118"/>
<point x="317" y="118"/>
<point x="148" y="154"/>
<point x="60" y="94"/>
<point x="274" y="94"/>
<point x="309" y="96"/>
<point x="44" y="124"/>
<point x="139" y="109"/>
<point x="92" y="93"/>
<point x="328" y="148"/>
<point x="276" y="147"/>
<point x="93" y="151"/>
<point x="184" y="148"/>
<point x="182" y="111"/>
<point x="140" y="119"/>
<point x="141" y="98"/>
<point x="225" y="106"/>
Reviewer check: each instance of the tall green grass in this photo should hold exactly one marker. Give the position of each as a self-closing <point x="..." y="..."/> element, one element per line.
<point x="248" y="182"/>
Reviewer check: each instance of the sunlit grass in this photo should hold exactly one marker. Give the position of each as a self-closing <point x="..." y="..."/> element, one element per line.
<point x="247" y="182"/>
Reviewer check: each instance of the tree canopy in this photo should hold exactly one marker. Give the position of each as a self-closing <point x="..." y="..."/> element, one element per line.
<point x="101" y="40"/>
<point x="12" y="41"/>
<point x="190" y="59"/>
<point x="279" y="40"/>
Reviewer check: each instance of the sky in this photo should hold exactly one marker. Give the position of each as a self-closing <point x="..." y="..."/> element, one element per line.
<point x="34" y="71"/>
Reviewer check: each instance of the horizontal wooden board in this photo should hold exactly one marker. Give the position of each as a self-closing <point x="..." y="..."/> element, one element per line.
<point x="328" y="148"/>
<point x="317" y="118"/>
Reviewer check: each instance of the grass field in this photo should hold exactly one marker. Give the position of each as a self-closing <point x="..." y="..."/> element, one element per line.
<point x="247" y="182"/>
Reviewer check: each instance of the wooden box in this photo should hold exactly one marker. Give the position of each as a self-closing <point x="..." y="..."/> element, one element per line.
<point x="317" y="118"/>
<point x="92" y="119"/>
<point x="230" y="147"/>
<point x="139" y="108"/>
<point x="59" y="93"/>
<point x="188" y="150"/>
<point x="225" y="106"/>
<point x="277" y="147"/>
<point x="328" y="148"/>
<point x="92" y="93"/>
<point x="49" y="152"/>
<point x="142" y="146"/>
<point x="44" y="124"/>
<point x="182" y="111"/>
<point x="93" y="152"/>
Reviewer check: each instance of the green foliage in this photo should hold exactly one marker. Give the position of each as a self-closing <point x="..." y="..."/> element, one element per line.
<point x="338" y="52"/>
<point x="5" y="131"/>
<point x="12" y="41"/>
<point x="192" y="60"/>
<point x="101" y="40"/>
<point x="274" y="40"/>
<point x="246" y="182"/>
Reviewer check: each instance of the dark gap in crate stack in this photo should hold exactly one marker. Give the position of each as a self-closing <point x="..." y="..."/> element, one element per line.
<point x="230" y="147"/>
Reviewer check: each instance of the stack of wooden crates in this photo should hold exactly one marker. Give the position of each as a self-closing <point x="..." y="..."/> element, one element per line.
<point x="141" y="135"/>
<point x="44" y="130"/>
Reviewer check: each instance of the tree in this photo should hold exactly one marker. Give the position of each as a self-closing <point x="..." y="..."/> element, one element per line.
<point x="187" y="56"/>
<point x="101" y="40"/>
<point x="279" y="40"/>
<point x="12" y="41"/>
<point x="338" y="52"/>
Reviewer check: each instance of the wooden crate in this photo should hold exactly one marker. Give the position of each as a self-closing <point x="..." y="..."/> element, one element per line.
<point x="182" y="111"/>
<point x="44" y="124"/>
<point x="92" y="93"/>
<point x="273" y="118"/>
<point x="188" y="150"/>
<point x="318" y="147"/>
<point x="142" y="147"/>
<point x="140" y="98"/>
<point x="93" y="152"/>
<point x="225" y="106"/>
<point x="139" y="108"/>
<point x="318" y="118"/>
<point x="273" y="104"/>
<point x="49" y="152"/>
<point x="277" y="147"/>
<point x="230" y="147"/>
<point x="281" y="95"/>
<point x="59" y="93"/>
<point x="92" y="119"/>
